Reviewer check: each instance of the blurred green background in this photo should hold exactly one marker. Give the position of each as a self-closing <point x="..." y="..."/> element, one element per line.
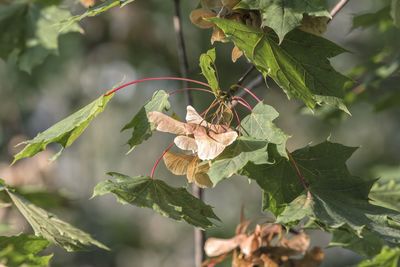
<point x="138" y="41"/>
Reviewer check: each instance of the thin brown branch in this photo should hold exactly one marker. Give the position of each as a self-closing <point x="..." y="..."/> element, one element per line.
<point x="199" y="235"/>
<point x="181" y="47"/>
<point x="245" y="75"/>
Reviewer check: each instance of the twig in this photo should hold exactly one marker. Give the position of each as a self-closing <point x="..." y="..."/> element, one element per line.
<point x="336" y="9"/>
<point x="199" y="235"/>
<point x="245" y="75"/>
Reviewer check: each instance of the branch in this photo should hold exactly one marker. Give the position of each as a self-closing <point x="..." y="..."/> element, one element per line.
<point x="199" y="235"/>
<point x="336" y="9"/>
<point x="181" y="47"/>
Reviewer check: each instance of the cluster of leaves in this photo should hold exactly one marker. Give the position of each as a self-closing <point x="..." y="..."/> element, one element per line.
<point x="311" y="185"/>
<point x="22" y="250"/>
<point x="30" y="31"/>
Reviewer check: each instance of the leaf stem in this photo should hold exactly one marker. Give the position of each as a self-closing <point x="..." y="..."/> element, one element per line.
<point x="159" y="159"/>
<point x="154" y="79"/>
<point x="243" y="102"/>
<point x="190" y="89"/>
<point x="250" y="93"/>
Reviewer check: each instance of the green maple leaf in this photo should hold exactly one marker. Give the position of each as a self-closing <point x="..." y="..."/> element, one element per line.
<point x="285" y="15"/>
<point x="258" y="130"/>
<point x="30" y="31"/>
<point x="142" y="191"/>
<point x="236" y="156"/>
<point x="207" y="65"/>
<point x="66" y="131"/>
<point x="23" y="250"/>
<point x="95" y="11"/>
<point x="142" y="128"/>
<point x="52" y="228"/>
<point x="389" y="257"/>
<point x="300" y="65"/>
<point x="369" y="245"/>
<point x="386" y="191"/>
<point x="334" y="198"/>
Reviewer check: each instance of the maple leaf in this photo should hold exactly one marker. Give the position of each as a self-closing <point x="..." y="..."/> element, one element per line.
<point x="258" y="133"/>
<point x="142" y="191"/>
<point x="142" y="128"/>
<point x="300" y="65"/>
<point x="30" y="31"/>
<point x="205" y="139"/>
<point x="23" y="250"/>
<point x="52" y="228"/>
<point x="66" y="131"/>
<point x="285" y="15"/>
<point x="333" y="198"/>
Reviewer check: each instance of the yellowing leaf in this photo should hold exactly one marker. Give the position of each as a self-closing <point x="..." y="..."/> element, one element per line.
<point x="207" y="65"/>
<point x="236" y="53"/>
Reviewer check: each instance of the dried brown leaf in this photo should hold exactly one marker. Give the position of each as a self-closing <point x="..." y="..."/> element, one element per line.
<point x="236" y="54"/>
<point x="198" y="16"/>
<point x="313" y="258"/>
<point x="218" y="36"/>
<point x="267" y="261"/>
<point x="299" y="242"/>
<point x="249" y="245"/>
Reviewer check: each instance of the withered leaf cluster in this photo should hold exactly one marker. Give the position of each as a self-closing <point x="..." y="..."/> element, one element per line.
<point x="268" y="245"/>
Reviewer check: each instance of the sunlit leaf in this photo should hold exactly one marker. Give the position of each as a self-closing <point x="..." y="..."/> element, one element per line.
<point x="236" y="156"/>
<point x="171" y="202"/>
<point x="389" y="257"/>
<point x="207" y="65"/>
<point x="23" y="250"/>
<point x="335" y="198"/>
<point x="285" y="15"/>
<point x="52" y="228"/>
<point x="300" y="65"/>
<point x="66" y="131"/>
<point x="259" y="125"/>
<point x="140" y="124"/>
<point x="94" y="11"/>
